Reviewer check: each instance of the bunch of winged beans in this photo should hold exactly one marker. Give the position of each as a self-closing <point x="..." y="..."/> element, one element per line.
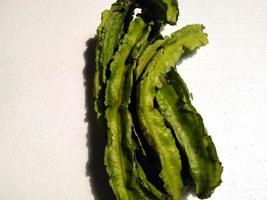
<point x="156" y="140"/>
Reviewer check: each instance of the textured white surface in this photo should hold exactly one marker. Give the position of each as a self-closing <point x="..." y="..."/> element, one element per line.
<point x="43" y="149"/>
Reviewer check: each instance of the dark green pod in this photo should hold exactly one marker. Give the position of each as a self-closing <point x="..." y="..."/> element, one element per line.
<point x="165" y="10"/>
<point x="175" y="105"/>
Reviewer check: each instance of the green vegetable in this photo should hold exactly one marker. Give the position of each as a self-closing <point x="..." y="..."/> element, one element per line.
<point x="139" y="177"/>
<point x="109" y="32"/>
<point x="116" y="159"/>
<point x="175" y="105"/>
<point x="134" y="64"/>
<point x="151" y="121"/>
<point x="126" y="177"/>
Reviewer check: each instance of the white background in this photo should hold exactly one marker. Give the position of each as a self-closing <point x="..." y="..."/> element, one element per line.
<point x="43" y="150"/>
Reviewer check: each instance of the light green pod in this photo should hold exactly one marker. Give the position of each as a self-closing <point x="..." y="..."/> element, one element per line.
<point x="175" y="105"/>
<point x="138" y="180"/>
<point x="151" y="121"/>
<point x="116" y="159"/>
<point x="127" y="179"/>
<point x="109" y="33"/>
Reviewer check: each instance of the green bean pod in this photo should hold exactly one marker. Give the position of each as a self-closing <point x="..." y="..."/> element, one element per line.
<point x="138" y="179"/>
<point x="111" y="29"/>
<point x="127" y="179"/>
<point x="175" y="105"/>
<point x="151" y="121"/>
